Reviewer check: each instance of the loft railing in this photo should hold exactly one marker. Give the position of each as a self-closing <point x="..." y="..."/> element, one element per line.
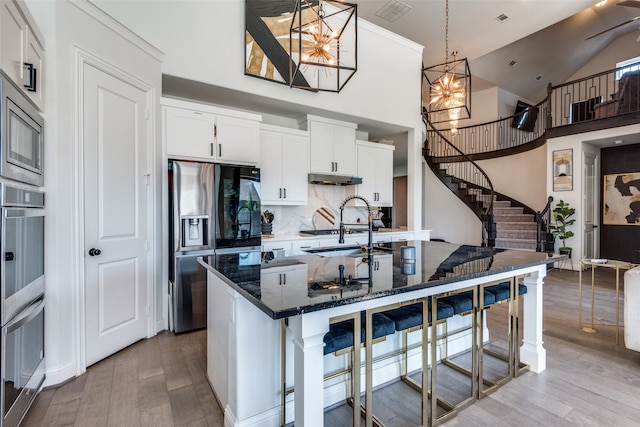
<point x="502" y="134"/>
<point x="607" y="94"/>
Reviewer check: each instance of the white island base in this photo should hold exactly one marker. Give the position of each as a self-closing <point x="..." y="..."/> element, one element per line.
<point x="244" y="352"/>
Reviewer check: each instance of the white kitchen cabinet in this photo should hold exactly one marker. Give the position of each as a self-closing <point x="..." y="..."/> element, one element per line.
<point x="332" y="146"/>
<point x="283" y="166"/>
<point x="22" y="49"/>
<point x="203" y="132"/>
<point x="375" y="167"/>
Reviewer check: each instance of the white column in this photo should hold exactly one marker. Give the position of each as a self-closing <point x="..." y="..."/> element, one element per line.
<point x="308" y="332"/>
<point x="532" y="352"/>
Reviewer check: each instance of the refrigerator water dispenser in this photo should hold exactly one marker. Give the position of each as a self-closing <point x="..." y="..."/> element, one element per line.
<point x="194" y="230"/>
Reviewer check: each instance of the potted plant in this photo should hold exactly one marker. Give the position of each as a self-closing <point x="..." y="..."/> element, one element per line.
<point x="562" y="214"/>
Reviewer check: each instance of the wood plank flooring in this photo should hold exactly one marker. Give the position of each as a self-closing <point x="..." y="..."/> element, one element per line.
<point x="589" y="380"/>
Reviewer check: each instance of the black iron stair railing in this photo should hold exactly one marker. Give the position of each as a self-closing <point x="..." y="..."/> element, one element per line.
<point x="464" y="178"/>
<point x="545" y="240"/>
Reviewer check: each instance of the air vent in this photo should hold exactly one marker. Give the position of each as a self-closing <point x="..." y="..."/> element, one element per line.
<point x="539" y="77"/>
<point x="502" y="17"/>
<point x="512" y="63"/>
<point x="393" y="10"/>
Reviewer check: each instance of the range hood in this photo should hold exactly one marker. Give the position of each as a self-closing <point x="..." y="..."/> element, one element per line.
<point x="325" y="179"/>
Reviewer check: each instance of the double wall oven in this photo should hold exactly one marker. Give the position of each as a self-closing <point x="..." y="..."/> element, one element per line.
<point x="21" y="253"/>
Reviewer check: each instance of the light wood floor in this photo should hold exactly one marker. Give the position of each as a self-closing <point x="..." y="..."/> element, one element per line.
<point x="589" y="381"/>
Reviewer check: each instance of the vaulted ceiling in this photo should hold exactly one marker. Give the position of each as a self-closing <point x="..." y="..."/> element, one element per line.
<point x="545" y="38"/>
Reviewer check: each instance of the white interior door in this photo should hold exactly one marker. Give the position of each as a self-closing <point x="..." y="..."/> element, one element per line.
<point x="116" y="213"/>
<point x="590" y="208"/>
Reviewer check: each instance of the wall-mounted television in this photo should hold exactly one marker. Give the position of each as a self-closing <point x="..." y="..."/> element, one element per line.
<point x="527" y="120"/>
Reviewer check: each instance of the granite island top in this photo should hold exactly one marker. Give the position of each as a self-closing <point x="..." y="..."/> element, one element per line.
<point x="285" y="286"/>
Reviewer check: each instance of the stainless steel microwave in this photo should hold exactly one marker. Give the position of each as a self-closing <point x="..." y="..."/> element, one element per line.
<point x="21" y="136"/>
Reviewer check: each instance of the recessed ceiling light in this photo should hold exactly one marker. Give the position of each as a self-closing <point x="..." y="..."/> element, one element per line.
<point x="502" y="17"/>
<point x="512" y="63"/>
<point x="601" y="3"/>
<point x="393" y="10"/>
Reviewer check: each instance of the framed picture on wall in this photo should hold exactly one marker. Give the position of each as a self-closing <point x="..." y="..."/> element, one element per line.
<point x="622" y="199"/>
<point x="563" y="170"/>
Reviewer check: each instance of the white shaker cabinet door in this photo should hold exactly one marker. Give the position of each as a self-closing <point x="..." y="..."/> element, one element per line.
<point x="295" y="169"/>
<point x="238" y="140"/>
<point x="189" y="133"/>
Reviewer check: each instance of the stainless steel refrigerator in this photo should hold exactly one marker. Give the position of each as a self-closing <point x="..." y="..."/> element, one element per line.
<point x="214" y="208"/>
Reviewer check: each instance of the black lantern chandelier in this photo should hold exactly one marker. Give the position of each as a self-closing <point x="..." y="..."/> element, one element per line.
<point x="323" y="45"/>
<point x="449" y="87"/>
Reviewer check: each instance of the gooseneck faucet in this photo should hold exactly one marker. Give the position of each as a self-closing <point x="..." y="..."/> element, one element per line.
<point x="369" y="221"/>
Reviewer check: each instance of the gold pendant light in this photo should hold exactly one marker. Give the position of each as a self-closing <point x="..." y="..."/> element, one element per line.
<point x="449" y="87"/>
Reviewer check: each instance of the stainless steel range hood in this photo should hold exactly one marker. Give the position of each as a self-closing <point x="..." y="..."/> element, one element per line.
<point x="324" y="179"/>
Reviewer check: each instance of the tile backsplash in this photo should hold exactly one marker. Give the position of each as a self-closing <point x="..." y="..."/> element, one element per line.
<point x="292" y="219"/>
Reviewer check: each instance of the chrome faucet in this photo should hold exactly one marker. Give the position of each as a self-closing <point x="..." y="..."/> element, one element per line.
<point x="369" y="221"/>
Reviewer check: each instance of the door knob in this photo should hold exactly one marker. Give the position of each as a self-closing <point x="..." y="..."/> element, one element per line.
<point x="94" y="252"/>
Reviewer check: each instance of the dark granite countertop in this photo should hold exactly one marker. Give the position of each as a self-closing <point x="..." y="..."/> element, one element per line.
<point x="286" y="286"/>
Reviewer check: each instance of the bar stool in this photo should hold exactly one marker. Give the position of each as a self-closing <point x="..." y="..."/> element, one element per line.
<point x="503" y="292"/>
<point x="343" y="332"/>
<point x="408" y="317"/>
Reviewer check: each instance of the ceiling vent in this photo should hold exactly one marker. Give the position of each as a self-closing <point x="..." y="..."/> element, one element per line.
<point x="502" y="17"/>
<point x="393" y="10"/>
<point x="539" y="77"/>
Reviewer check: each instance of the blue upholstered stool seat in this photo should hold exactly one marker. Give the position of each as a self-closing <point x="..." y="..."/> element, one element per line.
<point x="340" y="335"/>
<point x="461" y="302"/>
<point x="410" y="316"/>
<point x="501" y="291"/>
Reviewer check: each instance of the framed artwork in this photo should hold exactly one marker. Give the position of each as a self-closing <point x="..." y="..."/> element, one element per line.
<point x="563" y="170"/>
<point x="267" y="25"/>
<point x="622" y="199"/>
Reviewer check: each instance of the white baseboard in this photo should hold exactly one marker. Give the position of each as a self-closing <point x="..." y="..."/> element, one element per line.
<point x="56" y="376"/>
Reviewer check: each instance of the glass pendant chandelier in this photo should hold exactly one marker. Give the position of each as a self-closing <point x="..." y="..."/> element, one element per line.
<point x="323" y="45"/>
<point x="448" y="96"/>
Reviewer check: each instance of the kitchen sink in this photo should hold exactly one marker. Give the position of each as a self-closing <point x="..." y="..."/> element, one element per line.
<point x="333" y="251"/>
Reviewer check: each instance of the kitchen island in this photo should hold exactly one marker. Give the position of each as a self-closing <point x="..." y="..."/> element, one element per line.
<point x="249" y="294"/>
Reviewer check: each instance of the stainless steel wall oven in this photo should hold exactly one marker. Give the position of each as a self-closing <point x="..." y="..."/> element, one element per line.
<point x="22" y="296"/>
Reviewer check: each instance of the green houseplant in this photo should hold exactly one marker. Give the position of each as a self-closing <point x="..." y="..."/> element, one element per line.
<point x="562" y="214"/>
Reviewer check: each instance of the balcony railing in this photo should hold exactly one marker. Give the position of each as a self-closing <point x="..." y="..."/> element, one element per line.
<point x="593" y="99"/>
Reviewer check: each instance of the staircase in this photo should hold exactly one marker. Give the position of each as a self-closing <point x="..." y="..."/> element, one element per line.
<point x="514" y="228"/>
<point x="506" y="223"/>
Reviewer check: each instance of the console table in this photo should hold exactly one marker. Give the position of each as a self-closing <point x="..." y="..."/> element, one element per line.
<point x="594" y="263"/>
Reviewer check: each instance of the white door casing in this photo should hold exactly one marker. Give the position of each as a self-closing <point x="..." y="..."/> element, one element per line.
<point x="590" y="208"/>
<point x="115" y="140"/>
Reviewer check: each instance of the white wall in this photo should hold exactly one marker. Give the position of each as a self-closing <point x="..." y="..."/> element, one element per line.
<point x="623" y="48"/>
<point x="520" y="176"/>
<point x="445" y="214"/>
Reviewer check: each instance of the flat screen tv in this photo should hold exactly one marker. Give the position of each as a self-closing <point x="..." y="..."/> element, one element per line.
<point x="527" y="120"/>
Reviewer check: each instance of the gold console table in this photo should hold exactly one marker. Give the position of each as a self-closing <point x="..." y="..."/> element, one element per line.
<point x="594" y="263"/>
